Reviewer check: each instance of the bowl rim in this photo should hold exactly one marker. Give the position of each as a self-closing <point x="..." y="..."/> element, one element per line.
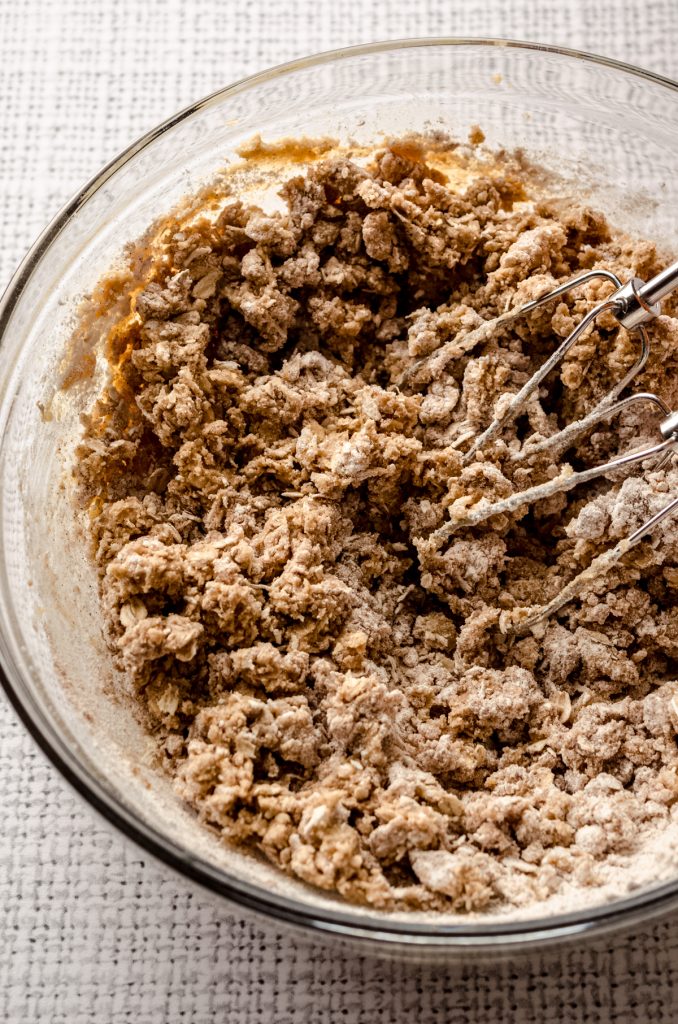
<point x="495" y="935"/>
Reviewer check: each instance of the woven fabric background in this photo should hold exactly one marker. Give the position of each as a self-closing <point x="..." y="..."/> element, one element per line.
<point x="90" y="931"/>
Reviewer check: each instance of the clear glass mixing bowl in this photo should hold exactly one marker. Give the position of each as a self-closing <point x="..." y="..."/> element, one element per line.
<point x="611" y="128"/>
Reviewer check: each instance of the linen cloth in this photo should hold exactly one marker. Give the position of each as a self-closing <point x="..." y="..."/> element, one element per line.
<point x="90" y="931"/>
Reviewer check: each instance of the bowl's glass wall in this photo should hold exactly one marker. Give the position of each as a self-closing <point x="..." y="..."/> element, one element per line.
<point x="613" y="131"/>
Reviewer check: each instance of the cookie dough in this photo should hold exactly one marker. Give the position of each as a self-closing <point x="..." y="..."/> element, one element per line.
<point x="265" y="474"/>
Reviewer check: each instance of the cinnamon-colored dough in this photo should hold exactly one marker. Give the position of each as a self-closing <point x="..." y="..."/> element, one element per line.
<point x="327" y="684"/>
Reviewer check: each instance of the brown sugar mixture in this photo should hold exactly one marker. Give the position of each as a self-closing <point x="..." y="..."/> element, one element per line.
<point x="328" y="683"/>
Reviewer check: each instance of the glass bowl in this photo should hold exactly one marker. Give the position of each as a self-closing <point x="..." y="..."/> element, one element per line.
<point x="610" y="128"/>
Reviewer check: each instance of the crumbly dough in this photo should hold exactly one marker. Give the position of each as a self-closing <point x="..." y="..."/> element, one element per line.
<point x="327" y="682"/>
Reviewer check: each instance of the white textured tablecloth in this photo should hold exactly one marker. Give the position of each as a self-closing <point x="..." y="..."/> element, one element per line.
<point x="90" y="931"/>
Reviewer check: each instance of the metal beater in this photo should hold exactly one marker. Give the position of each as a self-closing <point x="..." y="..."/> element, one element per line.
<point x="633" y="305"/>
